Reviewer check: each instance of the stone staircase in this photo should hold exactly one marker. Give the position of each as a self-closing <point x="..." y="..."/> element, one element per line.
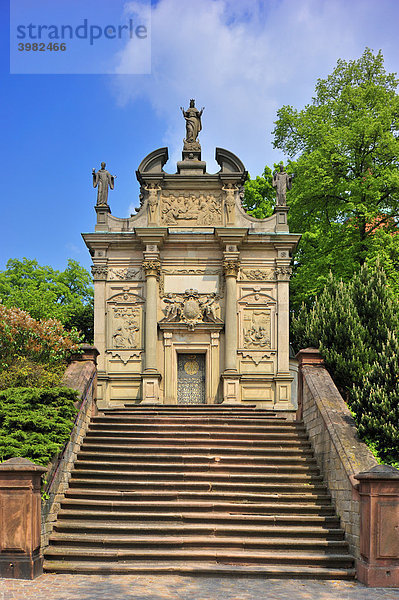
<point x="198" y="490"/>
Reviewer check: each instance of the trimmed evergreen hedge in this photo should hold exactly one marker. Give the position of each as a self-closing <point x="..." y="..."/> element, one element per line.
<point x="35" y="423"/>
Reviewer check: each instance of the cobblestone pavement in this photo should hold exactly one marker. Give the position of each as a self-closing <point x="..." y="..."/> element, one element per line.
<point x="171" y="587"/>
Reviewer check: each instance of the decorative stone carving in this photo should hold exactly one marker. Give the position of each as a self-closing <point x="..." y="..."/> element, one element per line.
<point x="128" y="273"/>
<point x="283" y="273"/>
<point x="126" y="326"/>
<point x="203" y="209"/>
<point x="257" y="329"/>
<point x="257" y="274"/>
<point x="152" y="268"/>
<point x="230" y="202"/>
<point x="257" y="357"/>
<point x="191" y="308"/>
<point x="231" y="268"/>
<point x="282" y="182"/>
<point x="193" y="122"/>
<point x="102" y="180"/>
<point x="152" y="190"/>
<point x="99" y="272"/>
<point x="124" y="355"/>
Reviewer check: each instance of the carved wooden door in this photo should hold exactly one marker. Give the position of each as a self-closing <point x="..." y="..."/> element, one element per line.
<point x="191" y="378"/>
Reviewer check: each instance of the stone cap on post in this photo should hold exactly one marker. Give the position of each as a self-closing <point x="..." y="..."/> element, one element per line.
<point x="309" y="357"/>
<point x="380" y="473"/>
<point x="21" y="464"/>
<point x="89" y="352"/>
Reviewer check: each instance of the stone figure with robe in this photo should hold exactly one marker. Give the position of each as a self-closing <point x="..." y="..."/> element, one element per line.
<point x="282" y="182"/>
<point x="102" y="180"/>
<point x="193" y="121"/>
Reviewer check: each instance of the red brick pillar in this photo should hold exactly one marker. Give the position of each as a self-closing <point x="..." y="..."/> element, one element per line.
<point x="20" y="508"/>
<point x="307" y="357"/>
<point x="378" y="565"/>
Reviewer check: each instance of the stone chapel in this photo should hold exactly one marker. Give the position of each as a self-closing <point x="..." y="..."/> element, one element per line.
<point x="191" y="293"/>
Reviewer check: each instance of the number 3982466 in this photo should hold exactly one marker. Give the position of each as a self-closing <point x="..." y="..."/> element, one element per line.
<point x="41" y="47"/>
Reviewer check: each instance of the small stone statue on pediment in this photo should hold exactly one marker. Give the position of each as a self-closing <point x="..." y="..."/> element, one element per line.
<point x="193" y="121"/>
<point x="282" y="182"/>
<point x="102" y="180"/>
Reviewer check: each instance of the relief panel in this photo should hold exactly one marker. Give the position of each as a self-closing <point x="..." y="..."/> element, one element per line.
<point x="190" y="208"/>
<point x="125" y="327"/>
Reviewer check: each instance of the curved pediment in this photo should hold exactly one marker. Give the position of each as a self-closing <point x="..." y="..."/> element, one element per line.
<point x="257" y="298"/>
<point x="126" y="298"/>
<point x="153" y="162"/>
<point x="229" y="162"/>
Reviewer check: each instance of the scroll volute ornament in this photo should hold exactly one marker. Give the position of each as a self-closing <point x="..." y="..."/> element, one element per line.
<point x="152" y="268"/>
<point x="231" y="268"/>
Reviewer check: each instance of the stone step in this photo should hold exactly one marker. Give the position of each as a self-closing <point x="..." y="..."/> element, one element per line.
<point x="157" y="542"/>
<point x="198" y="568"/>
<point x="96" y="489"/>
<point x="187" y="427"/>
<point x="296" y="557"/>
<point x="213" y="420"/>
<point x="304" y="479"/>
<point x="151" y="528"/>
<point x="109" y="445"/>
<point x="184" y="437"/>
<point x="125" y="503"/>
<point x="182" y="458"/>
<point x="207" y="464"/>
<point x="155" y="487"/>
<point x="306" y="468"/>
<point x="214" y="518"/>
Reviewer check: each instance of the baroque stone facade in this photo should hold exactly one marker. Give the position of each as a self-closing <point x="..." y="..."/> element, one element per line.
<point x="191" y="278"/>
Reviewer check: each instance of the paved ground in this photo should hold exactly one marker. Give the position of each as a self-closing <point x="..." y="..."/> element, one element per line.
<point x="141" y="587"/>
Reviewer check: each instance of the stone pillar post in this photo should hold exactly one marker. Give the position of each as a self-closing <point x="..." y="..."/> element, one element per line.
<point x="230" y="376"/>
<point x="378" y="565"/>
<point x="283" y="376"/>
<point x="151" y="374"/>
<point x="20" y="506"/>
<point x="100" y="272"/>
<point x="306" y="357"/>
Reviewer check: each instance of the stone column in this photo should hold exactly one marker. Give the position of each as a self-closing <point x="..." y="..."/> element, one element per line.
<point x="378" y="565"/>
<point x="230" y="375"/>
<point x="20" y="509"/>
<point x="231" y="271"/>
<point x="151" y="374"/>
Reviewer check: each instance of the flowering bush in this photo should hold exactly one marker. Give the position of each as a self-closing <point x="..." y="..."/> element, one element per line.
<point x="26" y="343"/>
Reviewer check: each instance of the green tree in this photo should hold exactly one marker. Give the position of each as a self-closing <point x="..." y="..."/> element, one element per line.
<point x="50" y="294"/>
<point x="260" y="196"/>
<point x="344" y="153"/>
<point x="354" y="325"/>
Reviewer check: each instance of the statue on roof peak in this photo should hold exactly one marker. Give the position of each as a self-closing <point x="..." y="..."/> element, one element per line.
<point x="193" y="121"/>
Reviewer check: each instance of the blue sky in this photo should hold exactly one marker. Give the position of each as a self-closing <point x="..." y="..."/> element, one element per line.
<point x="242" y="60"/>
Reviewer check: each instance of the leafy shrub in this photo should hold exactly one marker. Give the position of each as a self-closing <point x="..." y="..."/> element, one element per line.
<point x="44" y="342"/>
<point x="35" y="423"/>
<point x="23" y="372"/>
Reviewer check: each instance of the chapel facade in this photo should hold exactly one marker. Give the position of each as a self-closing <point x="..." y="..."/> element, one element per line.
<point x="192" y="293"/>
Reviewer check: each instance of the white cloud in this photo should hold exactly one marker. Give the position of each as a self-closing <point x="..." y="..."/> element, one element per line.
<point x="243" y="60"/>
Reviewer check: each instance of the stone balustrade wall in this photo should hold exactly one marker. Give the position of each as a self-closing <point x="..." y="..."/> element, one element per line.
<point x="332" y="432"/>
<point x="80" y="375"/>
